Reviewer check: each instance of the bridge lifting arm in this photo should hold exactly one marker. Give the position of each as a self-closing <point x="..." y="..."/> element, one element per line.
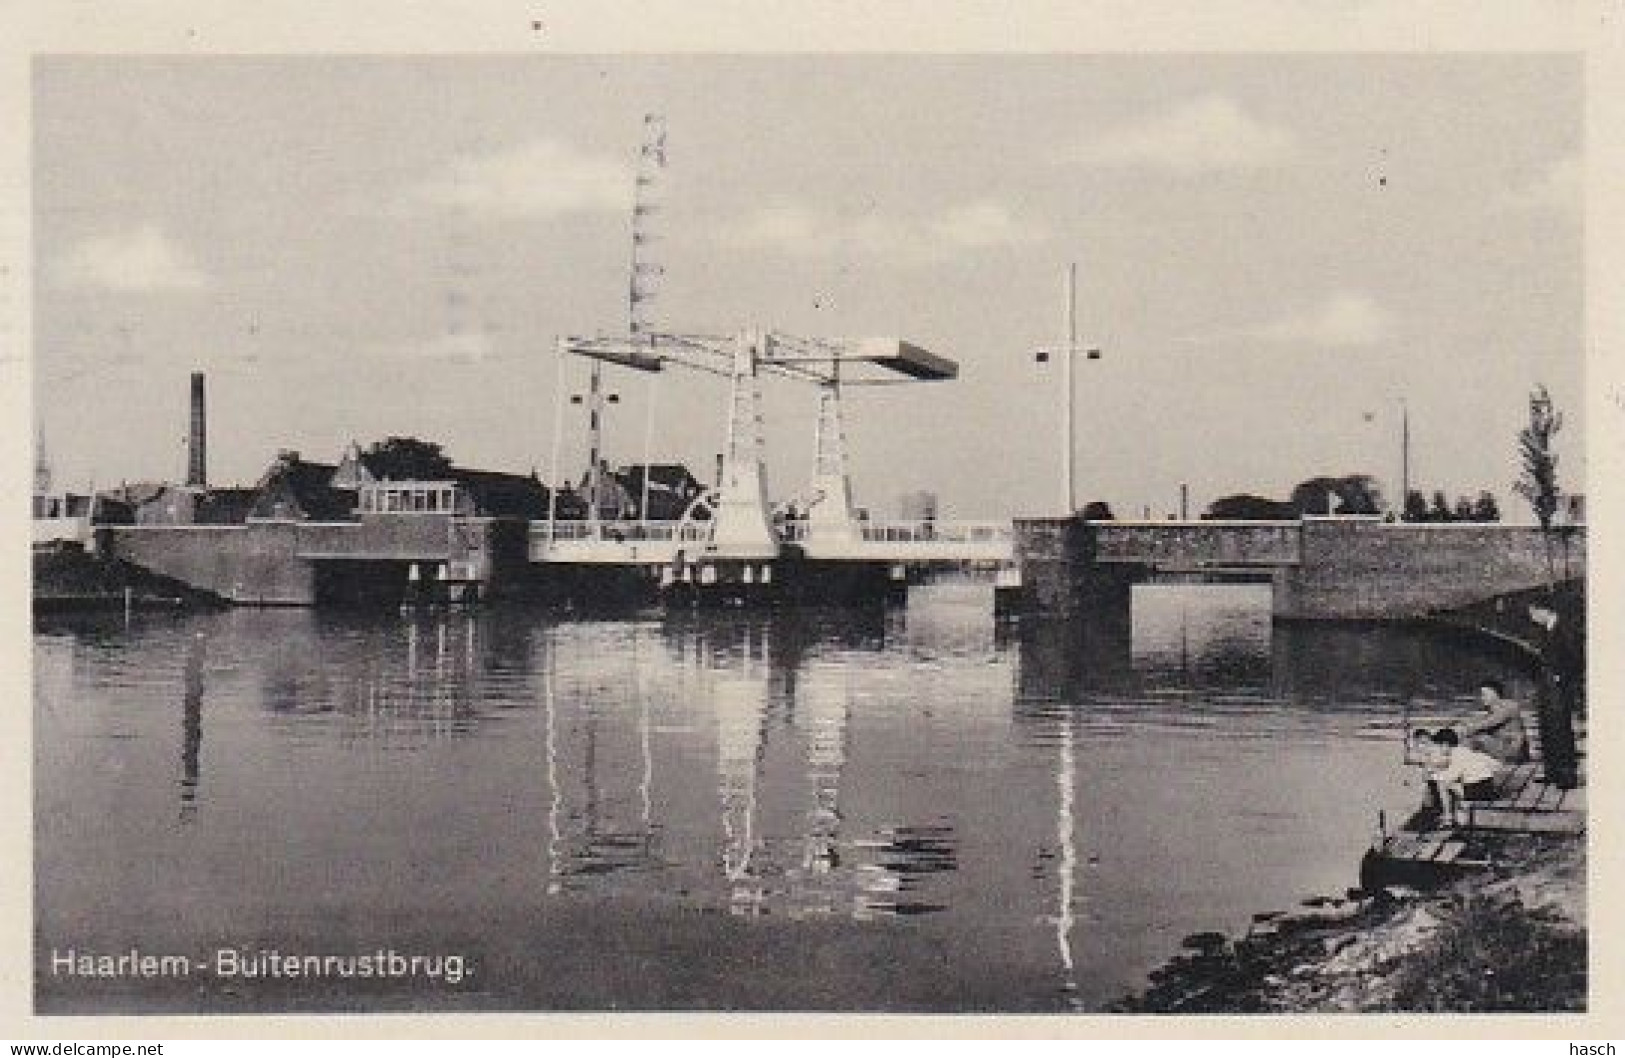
<point x="743" y="526"/>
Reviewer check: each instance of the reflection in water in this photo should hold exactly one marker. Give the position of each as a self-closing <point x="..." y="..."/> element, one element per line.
<point x="1034" y="815"/>
<point x="741" y="745"/>
<point x="826" y="709"/>
<point x="1066" y="780"/>
<point x="418" y="693"/>
<point x="555" y="799"/>
<point x="601" y="813"/>
<point x="192" y="727"/>
<point x="892" y="876"/>
<point x="1202" y="636"/>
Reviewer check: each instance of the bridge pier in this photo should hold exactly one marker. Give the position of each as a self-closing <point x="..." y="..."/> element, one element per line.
<point x="1062" y="577"/>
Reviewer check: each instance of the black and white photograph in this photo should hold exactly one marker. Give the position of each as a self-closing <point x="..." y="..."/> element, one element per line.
<point x="836" y="532"/>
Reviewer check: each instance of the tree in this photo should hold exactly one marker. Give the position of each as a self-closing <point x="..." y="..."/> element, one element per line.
<point x="406" y="459"/>
<point x="1537" y="483"/>
<point x="1097" y="511"/>
<point x="1439" y="507"/>
<point x="1249" y="508"/>
<point x="1416" y="507"/>
<point x="1351" y="494"/>
<point x="1485" y="509"/>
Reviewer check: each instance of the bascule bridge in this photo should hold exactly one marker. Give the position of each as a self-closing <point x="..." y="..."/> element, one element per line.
<point x="734" y="531"/>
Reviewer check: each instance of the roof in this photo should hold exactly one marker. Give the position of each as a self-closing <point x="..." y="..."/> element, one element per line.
<point x="137" y="493"/>
<point x="309" y="485"/>
<point x="225" y="506"/>
<point x="500" y="494"/>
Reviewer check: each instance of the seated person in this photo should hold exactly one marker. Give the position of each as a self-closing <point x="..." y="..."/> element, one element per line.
<point x="1421" y="749"/>
<point x="1462" y="774"/>
<point x="1500" y="731"/>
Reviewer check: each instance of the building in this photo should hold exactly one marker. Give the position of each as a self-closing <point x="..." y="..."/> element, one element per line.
<point x="671" y="489"/>
<point x="296" y="489"/>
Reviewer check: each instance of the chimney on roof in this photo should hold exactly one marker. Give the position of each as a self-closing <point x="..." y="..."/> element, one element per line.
<point x="197" y="461"/>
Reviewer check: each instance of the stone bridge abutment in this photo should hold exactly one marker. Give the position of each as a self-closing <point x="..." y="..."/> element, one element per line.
<point x="1319" y="568"/>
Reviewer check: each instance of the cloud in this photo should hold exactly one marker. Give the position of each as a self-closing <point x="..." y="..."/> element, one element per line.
<point x="462" y="347"/>
<point x="1560" y="187"/>
<point x="139" y="260"/>
<point x="1345" y="318"/>
<point x="980" y="225"/>
<point x="1204" y="134"/>
<point x="541" y="179"/>
<point x="799" y="230"/>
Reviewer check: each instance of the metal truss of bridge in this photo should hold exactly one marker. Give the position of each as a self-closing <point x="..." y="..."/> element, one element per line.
<point x="735" y="521"/>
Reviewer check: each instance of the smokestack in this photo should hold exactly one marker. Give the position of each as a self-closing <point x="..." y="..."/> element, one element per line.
<point x="197" y="460"/>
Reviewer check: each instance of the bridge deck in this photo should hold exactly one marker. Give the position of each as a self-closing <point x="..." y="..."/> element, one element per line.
<point x="658" y="543"/>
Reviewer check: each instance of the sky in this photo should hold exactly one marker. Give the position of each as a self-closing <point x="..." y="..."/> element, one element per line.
<point x="1275" y="253"/>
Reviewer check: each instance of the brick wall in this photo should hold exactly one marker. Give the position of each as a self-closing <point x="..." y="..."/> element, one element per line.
<point x="1047" y="551"/>
<point x="254" y="563"/>
<point x="1189" y="543"/>
<point x="1355" y="569"/>
<point x="272" y="562"/>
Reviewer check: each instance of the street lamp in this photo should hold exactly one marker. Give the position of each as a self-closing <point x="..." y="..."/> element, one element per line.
<point x="1068" y="353"/>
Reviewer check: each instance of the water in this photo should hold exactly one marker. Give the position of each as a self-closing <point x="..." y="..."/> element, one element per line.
<point x="905" y="810"/>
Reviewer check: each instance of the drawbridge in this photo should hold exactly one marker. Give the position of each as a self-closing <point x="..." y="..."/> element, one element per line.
<point x="734" y="522"/>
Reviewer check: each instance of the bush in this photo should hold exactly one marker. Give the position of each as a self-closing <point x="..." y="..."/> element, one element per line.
<point x="1495" y="954"/>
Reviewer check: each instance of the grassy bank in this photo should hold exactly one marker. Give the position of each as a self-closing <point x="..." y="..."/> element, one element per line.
<point x="1508" y="938"/>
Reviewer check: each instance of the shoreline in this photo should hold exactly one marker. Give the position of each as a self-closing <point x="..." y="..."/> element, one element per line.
<point x="1509" y="938"/>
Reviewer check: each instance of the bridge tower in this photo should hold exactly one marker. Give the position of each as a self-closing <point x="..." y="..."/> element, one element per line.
<point x="831" y="516"/>
<point x="741" y="528"/>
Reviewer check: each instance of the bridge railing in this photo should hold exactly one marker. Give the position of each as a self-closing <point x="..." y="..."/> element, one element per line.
<point x="930" y="531"/>
<point x="615" y="541"/>
<point x="910" y="531"/>
<point x="619" y="531"/>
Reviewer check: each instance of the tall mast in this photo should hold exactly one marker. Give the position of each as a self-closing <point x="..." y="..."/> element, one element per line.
<point x="643" y="275"/>
<point x="1404" y="454"/>
<point x="1069" y="485"/>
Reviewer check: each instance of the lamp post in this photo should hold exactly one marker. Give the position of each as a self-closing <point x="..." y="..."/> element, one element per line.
<point x="1068" y="353"/>
<point x="1404" y="456"/>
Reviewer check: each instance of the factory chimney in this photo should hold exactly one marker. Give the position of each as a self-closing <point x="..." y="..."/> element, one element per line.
<point x="197" y="462"/>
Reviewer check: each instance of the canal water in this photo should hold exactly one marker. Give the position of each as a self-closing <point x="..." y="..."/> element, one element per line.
<point x="910" y="809"/>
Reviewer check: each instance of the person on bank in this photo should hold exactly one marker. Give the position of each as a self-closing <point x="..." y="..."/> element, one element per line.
<point x="1561" y="643"/>
<point x="1500" y="731"/>
<point x="1461" y="773"/>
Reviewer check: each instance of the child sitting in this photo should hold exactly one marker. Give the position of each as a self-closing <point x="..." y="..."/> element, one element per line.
<point x="1461" y="774"/>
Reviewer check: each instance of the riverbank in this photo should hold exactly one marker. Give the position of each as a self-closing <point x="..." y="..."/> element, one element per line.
<point x="71" y="580"/>
<point x="1510" y="937"/>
